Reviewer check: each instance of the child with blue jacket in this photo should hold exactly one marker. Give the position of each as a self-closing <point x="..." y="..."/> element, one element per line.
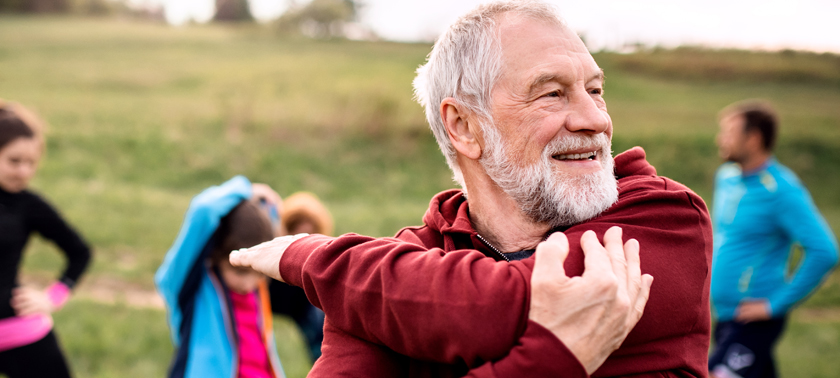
<point x="220" y="315"/>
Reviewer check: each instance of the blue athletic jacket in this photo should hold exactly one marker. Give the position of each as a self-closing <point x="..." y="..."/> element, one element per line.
<point x="199" y="315"/>
<point x="757" y="217"/>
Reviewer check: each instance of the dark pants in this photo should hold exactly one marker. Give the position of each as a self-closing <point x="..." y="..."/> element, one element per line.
<point x="745" y="349"/>
<point x="40" y="359"/>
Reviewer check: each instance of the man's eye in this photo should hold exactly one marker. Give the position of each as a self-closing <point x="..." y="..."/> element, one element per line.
<point x="554" y="94"/>
<point x="596" y="91"/>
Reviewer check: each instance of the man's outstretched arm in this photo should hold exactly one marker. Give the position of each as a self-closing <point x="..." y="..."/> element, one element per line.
<point x="590" y="314"/>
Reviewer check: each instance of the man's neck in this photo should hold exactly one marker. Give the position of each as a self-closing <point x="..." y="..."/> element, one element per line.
<point x="498" y="218"/>
<point x="754" y="161"/>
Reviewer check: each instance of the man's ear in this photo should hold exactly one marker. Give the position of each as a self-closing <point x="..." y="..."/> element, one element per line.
<point x="461" y="131"/>
<point x="754" y="141"/>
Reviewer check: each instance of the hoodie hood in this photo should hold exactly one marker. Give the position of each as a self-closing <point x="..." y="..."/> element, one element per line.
<point x="449" y="212"/>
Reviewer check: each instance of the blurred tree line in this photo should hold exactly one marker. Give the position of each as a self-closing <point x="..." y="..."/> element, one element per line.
<point x="320" y="18"/>
<point x="58" y="6"/>
<point x="316" y="18"/>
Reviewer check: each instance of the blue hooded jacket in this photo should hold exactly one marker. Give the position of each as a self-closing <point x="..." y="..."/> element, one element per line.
<point x="199" y="315"/>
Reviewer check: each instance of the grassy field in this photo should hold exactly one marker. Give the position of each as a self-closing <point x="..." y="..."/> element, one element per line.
<point x="143" y="116"/>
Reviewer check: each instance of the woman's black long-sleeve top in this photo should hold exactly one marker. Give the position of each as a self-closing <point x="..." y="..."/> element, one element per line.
<point x="21" y="214"/>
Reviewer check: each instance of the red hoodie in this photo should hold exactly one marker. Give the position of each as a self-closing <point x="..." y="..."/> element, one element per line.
<point x="430" y="302"/>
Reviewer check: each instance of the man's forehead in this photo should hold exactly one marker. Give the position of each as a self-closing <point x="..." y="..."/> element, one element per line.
<point x="520" y="26"/>
<point x="732" y="119"/>
<point x="534" y="55"/>
<point x="520" y="37"/>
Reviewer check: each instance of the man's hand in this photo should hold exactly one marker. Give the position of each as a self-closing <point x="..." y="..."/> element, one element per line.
<point x="591" y="314"/>
<point x="28" y="301"/>
<point x="265" y="257"/>
<point x="752" y="310"/>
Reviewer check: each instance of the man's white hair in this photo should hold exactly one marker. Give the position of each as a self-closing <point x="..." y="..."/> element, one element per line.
<point x="465" y="64"/>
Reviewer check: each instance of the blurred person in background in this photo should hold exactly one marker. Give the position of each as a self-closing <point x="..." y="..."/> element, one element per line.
<point x="760" y="212"/>
<point x="220" y="315"/>
<point x="302" y="213"/>
<point x="28" y="344"/>
<point x="508" y="277"/>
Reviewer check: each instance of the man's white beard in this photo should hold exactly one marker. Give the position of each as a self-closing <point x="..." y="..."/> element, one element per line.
<point x="548" y="196"/>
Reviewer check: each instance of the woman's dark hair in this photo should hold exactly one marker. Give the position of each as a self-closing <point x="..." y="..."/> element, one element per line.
<point x="245" y="226"/>
<point x="12" y="127"/>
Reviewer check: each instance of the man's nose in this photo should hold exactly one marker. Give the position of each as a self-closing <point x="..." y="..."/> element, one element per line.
<point x="586" y="116"/>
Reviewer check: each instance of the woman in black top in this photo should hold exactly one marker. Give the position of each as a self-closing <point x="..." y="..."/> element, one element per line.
<point x="28" y="347"/>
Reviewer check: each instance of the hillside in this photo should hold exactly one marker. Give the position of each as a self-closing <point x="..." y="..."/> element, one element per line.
<point x="143" y="116"/>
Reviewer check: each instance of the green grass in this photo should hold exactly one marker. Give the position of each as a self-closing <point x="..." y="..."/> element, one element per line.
<point x="809" y="346"/>
<point x="143" y="116"/>
<point x="135" y="342"/>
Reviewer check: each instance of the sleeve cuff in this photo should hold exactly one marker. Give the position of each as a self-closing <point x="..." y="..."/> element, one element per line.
<point x="296" y="255"/>
<point x="58" y="293"/>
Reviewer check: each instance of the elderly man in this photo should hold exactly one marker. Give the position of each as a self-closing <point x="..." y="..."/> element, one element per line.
<point x="515" y="102"/>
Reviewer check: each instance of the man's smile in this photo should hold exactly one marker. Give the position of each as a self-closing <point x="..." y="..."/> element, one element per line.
<point x="591" y="155"/>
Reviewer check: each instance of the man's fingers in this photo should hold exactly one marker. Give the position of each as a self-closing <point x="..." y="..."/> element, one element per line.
<point x="550" y="256"/>
<point x="241" y="258"/>
<point x="634" y="268"/>
<point x="596" y="260"/>
<point x="249" y="257"/>
<point x="264" y="257"/>
<point x="642" y="297"/>
<point x="616" y="252"/>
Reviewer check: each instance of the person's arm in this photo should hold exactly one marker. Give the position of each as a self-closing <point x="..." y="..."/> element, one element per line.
<point x="539" y="351"/>
<point x="536" y="352"/>
<point x="344" y="355"/>
<point x="801" y="220"/>
<point x="45" y="220"/>
<point x="418" y="302"/>
<point x="371" y="303"/>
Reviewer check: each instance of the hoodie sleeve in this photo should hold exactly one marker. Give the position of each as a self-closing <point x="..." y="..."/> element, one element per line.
<point x="419" y="302"/>
<point x="538" y="353"/>
<point x="200" y="222"/>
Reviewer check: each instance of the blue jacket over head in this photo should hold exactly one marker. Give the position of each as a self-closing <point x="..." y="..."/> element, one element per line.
<point x="199" y="314"/>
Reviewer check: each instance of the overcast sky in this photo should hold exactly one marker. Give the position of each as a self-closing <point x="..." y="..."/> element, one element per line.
<point x="765" y="24"/>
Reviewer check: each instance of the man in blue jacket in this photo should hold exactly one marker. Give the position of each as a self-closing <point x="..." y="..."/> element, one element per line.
<point x="760" y="212"/>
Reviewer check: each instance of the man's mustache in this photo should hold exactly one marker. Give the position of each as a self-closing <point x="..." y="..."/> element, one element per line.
<point x="567" y="143"/>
